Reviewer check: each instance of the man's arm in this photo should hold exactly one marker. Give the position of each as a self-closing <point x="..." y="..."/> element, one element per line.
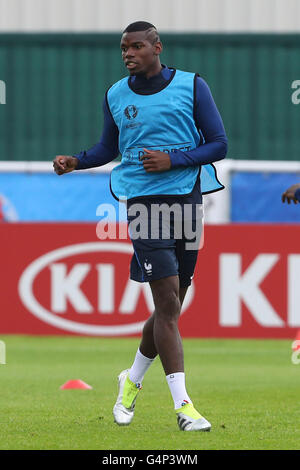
<point x="292" y="194"/>
<point x="103" y="152"/>
<point x="209" y="122"/>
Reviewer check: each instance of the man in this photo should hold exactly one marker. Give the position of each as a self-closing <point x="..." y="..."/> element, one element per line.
<point x="292" y="194"/>
<point x="168" y="130"/>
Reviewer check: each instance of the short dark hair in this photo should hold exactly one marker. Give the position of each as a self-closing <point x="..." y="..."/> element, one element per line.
<point x="152" y="34"/>
<point x="138" y="26"/>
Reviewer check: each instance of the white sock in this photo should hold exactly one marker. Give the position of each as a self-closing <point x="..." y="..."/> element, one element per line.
<point x="139" y="367"/>
<point x="176" y="384"/>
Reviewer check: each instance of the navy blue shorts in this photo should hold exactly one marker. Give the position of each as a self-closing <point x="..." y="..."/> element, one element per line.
<point x="169" y="252"/>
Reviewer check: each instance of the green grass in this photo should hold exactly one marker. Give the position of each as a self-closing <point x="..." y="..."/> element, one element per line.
<point x="247" y="389"/>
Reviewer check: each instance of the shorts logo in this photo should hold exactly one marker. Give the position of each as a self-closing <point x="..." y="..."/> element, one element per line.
<point x="148" y="268"/>
<point x="131" y="112"/>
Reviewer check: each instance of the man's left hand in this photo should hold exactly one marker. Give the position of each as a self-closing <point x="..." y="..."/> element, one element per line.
<point x="154" y="160"/>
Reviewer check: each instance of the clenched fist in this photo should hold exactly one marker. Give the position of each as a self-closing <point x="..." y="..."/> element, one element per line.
<point x="289" y="194"/>
<point x="154" y="161"/>
<point x="64" y="164"/>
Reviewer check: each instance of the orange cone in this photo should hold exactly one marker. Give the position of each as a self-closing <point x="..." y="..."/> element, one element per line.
<point x="75" y="384"/>
<point x="296" y="343"/>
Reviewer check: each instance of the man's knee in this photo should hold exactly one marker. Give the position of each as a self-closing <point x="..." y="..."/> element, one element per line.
<point x="166" y="298"/>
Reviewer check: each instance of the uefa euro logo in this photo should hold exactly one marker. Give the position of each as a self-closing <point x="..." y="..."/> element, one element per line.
<point x="2" y="352"/>
<point x="2" y="92"/>
<point x="131" y="112"/>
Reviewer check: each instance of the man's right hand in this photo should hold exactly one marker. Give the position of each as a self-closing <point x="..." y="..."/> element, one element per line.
<point x="64" y="164"/>
<point x="289" y="194"/>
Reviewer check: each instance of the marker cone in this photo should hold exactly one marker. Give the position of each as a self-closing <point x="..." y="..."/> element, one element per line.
<point x="79" y="384"/>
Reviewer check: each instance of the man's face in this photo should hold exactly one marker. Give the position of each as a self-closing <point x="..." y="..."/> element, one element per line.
<point x="138" y="53"/>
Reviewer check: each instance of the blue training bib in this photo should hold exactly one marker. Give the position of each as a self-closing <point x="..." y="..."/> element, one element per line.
<point x="161" y="121"/>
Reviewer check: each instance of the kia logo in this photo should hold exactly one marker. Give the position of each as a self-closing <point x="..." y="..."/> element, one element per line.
<point x="67" y="287"/>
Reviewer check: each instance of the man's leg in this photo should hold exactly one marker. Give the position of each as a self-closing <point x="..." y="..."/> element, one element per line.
<point x="166" y="340"/>
<point x="166" y="337"/>
<point x="147" y="351"/>
<point x="161" y="336"/>
<point x="130" y="380"/>
<point x="147" y="346"/>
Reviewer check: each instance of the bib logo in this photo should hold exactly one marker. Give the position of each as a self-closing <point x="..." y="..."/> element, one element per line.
<point x="85" y="289"/>
<point x="131" y="112"/>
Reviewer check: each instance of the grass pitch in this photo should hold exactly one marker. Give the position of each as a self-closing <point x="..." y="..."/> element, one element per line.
<point x="247" y="389"/>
